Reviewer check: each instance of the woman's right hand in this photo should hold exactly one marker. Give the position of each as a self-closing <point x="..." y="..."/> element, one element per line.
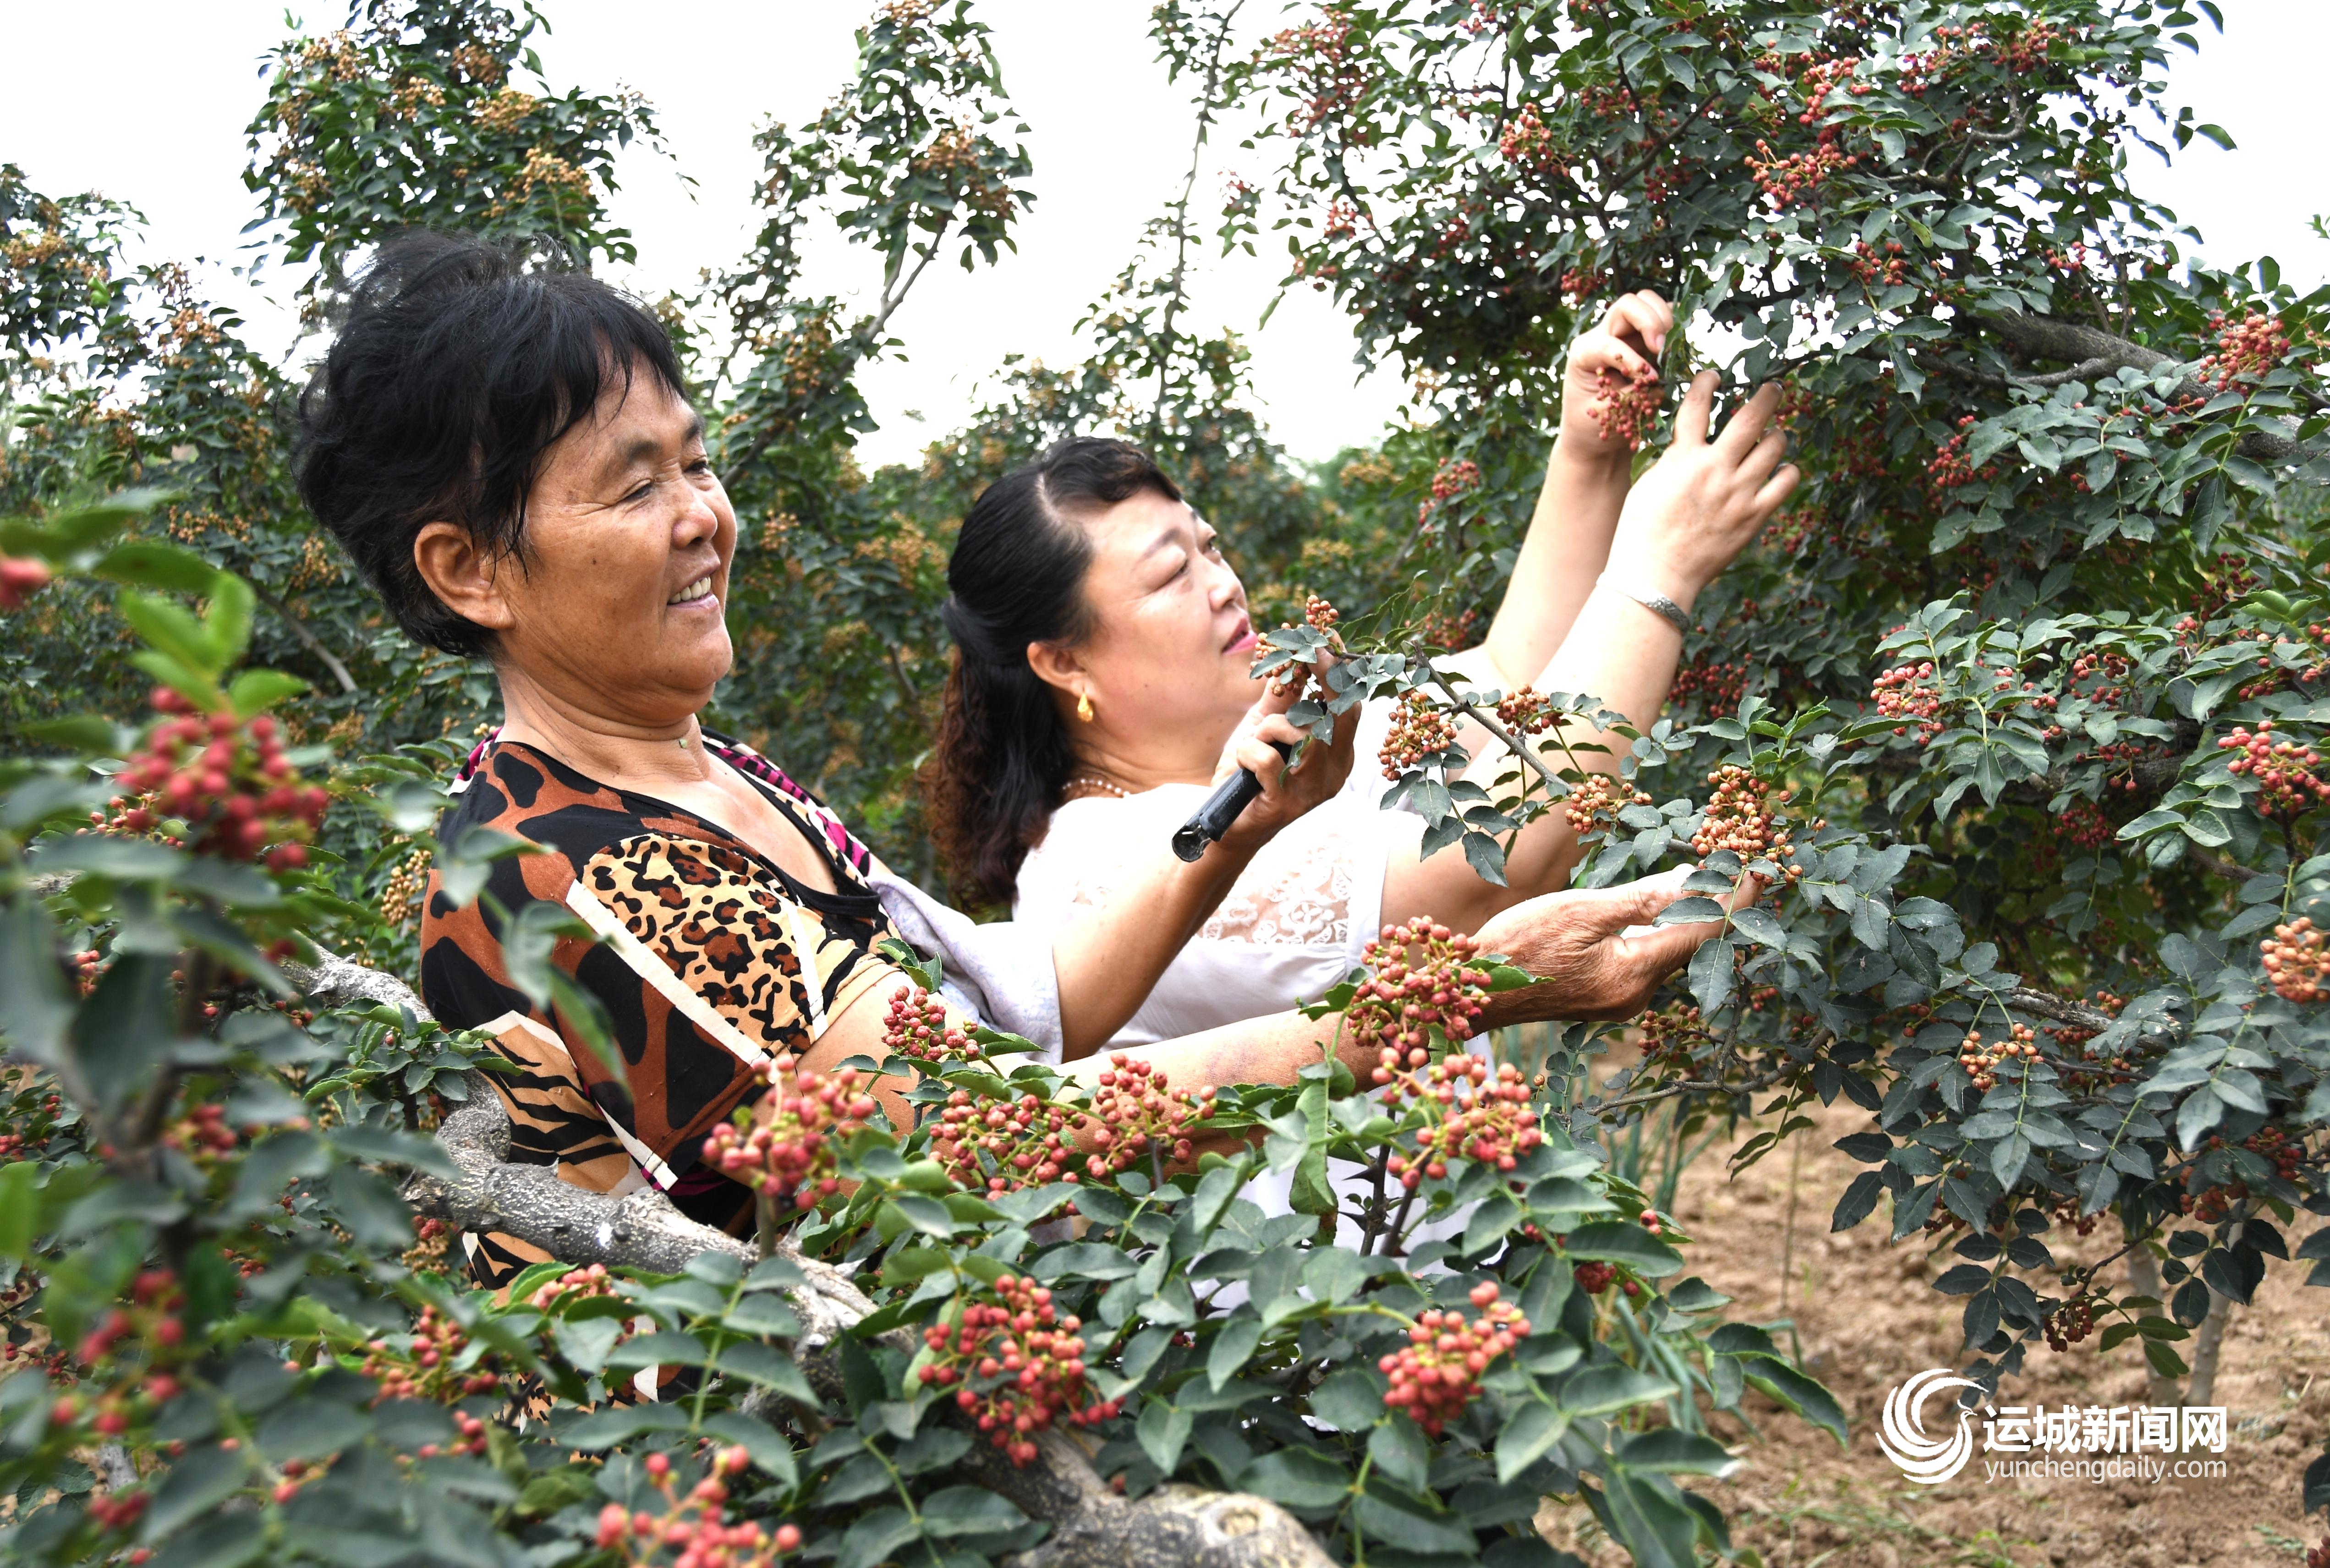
<point x="1703" y="500"/>
<point x="1625" y="345"/>
<point x="1317" y="776"/>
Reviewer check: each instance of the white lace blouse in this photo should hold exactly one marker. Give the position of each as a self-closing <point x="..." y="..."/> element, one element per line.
<point x="1292" y="926"/>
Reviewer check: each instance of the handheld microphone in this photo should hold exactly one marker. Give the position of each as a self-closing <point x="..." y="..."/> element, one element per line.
<point x="1221" y="808"/>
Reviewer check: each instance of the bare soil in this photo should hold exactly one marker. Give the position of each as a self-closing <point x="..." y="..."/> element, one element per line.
<point x="1865" y="1319"/>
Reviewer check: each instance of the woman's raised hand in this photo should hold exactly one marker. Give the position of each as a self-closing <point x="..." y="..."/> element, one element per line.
<point x="1620" y="352"/>
<point x="1704" y="499"/>
<point x="1286" y="792"/>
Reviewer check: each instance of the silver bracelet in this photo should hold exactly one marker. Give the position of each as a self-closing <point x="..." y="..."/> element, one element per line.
<point x="1651" y="599"/>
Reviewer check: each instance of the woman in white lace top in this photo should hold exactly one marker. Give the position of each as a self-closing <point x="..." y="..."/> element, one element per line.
<point x="1103" y="646"/>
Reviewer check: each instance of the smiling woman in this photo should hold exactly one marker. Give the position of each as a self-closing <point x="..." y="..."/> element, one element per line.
<point x="508" y="453"/>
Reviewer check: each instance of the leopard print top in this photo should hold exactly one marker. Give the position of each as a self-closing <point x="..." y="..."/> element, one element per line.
<point x="708" y="960"/>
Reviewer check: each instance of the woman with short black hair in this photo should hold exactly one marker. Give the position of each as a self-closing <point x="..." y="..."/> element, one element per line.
<point x="508" y="454"/>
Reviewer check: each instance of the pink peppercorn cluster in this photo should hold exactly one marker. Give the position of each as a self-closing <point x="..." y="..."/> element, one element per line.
<point x="1626" y="405"/>
<point x="1438" y="1371"/>
<point x="1038" y="1354"/>
<point x="1907" y="693"/>
<point x="789" y="1154"/>
<point x="1418" y="730"/>
<point x="1133" y="1110"/>
<point x="917" y="1029"/>
<point x="1743" y="818"/>
<point x="1477" y="1115"/>
<point x="427" y="1370"/>
<point x="1981" y="1062"/>
<point x="1593" y="803"/>
<point x="2295" y="962"/>
<point x="2287" y="784"/>
<point x="579" y="1284"/>
<point x="2246" y="349"/>
<point x="1420" y="978"/>
<point x="226" y="779"/>
<point x="1027" y="1141"/>
<point x="1527" y="711"/>
<point x="693" y="1528"/>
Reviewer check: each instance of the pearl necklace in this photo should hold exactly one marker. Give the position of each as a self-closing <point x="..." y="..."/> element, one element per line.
<point x="1101" y="785"/>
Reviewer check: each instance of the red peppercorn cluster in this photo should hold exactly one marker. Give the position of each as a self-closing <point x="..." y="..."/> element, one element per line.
<point x="1579" y="284"/>
<point x="1717" y="684"/>
<point x="917" y="1029"/>
<point x="784" y="1148"/>
<point x="112" y="1511"/>
<point x="1593" y="803"/>
<point x="575" y="1284"/>
<point x="693" y="1527"/>
<point x="2084" y="824"/>
<point x="1004" y="1145"/>
<point x="1436" y="1374"/>
<point x="1477" y="1115"/>
<point x="1452" y="632"/>
<point x="20" y="576"/>
<point x="1530" y="142"/>
<point x="1319" y="615"/>
<point x="226" y="779"/>
<point x="1907" y="692"/>
<point x="1670" y="1035"/>
<point x="1418" y="730"/>
<point x="1594" y="1277"/>
<point x="1455" y="477"/>
<point x="1626" y="405"/>
<point x="1798" y="176"/>
<point x="1981" y="1062"/>
<point x="2287" y="784"/>
<point x="1132" y="1111"/>
<point x="1527" y="711"/>
<point x="2295" y="964"/>
<point x="1875" y="267"/>
<point x="471" y="1440"/>
<point x="1420" y="978"/>
<point x="426" y="1369"/>
<point x="2246" y="349"/>
<point x="1743" y="818"/>
<point x="2071" y="1322"/>
<point x="1022" y="1366"/>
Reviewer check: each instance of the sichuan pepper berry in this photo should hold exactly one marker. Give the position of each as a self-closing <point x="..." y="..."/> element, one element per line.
<point x="1133" y="1110"/>
<point x="1593" y="803"/>
<point x="2295" y="962"/>
<point x="1005" y="1145"/>
<point x="1743" y="818"/>
<point x="1980" y="1061"/>
<point x="784" y="1149"/>
<point x="227" y="779"/>
<point x="1436" y="1375"/>
<point x="1474" y="1114"/>
<point x="917" y="1029"/>
<point x="1420" y="978"/>
<point x="694" y="1524"/>
<point x="1016" y="1366"/>
<point x="1418" y="730"/>
<point x="1625" y="405"/>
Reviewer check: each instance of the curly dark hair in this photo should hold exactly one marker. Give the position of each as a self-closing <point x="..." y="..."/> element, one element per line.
<point x="1017" y="577"/>
<point x="456" y="365"/>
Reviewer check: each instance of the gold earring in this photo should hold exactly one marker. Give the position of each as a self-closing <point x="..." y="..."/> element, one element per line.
<point x="1085" y="707"/>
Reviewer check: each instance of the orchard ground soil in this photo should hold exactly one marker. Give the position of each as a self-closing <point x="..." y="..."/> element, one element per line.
<point x="1865" y="1317"/>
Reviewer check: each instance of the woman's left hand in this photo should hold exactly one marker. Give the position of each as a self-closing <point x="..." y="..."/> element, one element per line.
<point x="1318" y="774"/>
<point x="1625" y="346"/>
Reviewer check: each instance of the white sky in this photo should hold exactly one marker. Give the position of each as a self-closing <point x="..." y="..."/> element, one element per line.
<point x="157" y="121"/>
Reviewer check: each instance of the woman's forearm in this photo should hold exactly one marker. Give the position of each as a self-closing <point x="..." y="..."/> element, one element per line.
<point x="1561" y="554"/>
<point x="1107" y="959"/>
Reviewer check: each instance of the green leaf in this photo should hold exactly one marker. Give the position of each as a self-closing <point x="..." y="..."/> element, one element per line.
<point x="224" y="1541"/>
<point x="771" y="1369"/>
<point x="1297" y="1478"/>
<point x="876" y="1538"/>
<point x="254" y="692"/>
<point x="1232" y="1348"/>
<point x="1349" y="1401"/>
<point x="1162" y="1431"/>
<point x="1623" y="1241"/>
<point x="1399" y="1452"/>
<point x="603" y="1429"/>
<point x="1667" y="1450"/>
<point x="969" y="1511"/>
<point x="1606" y="1390"/>
<point x="1527" y="1436"/>
<point x="150" y="563"/>
<point x="191" y="1488"/>
<point x="1396" y="1526"/>
<point x="308" y="1429"/>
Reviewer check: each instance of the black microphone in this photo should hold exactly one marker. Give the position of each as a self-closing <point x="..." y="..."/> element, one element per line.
<point x="1221" y="808"/>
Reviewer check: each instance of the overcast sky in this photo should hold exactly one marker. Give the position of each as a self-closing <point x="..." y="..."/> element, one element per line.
<point x="156" y="119"/>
